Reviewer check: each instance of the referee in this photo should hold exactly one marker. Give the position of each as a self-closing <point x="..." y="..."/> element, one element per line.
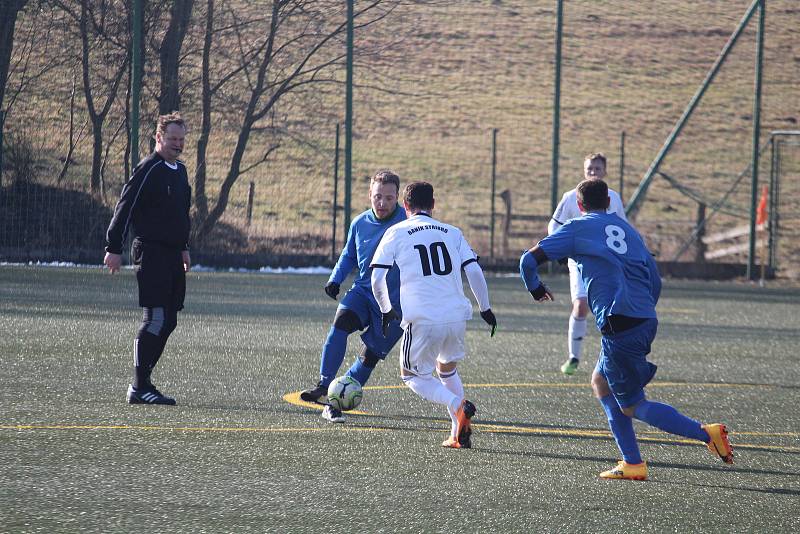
<point x="154" y="208"/>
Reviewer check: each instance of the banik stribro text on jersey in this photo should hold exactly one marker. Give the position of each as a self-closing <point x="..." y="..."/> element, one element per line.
<point x="427" y="227"/>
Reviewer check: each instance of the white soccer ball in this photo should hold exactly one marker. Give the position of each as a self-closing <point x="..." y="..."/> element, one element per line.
<point x="345" y="393"/>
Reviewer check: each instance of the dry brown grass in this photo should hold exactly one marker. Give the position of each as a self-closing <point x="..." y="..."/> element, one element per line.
<point x="458" y="69"/>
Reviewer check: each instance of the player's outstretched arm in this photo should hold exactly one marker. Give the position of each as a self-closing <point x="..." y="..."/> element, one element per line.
<point x="348" y="260"/>
<point x="528" y="270"/>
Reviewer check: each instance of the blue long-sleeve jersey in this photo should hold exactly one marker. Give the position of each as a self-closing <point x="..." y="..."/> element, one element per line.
<point x="363" y="237"/>
<point x="619" y="272"/>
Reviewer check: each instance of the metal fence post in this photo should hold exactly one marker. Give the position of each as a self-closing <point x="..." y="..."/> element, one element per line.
<point x="556" y="107"/>
<point x="494" y="184"/>
<point x="2" y="125"/>
<point x="751" y="254"/>
<point x="622" y="167"/>
<point x="348" y="120"/>
<point x="335" y="191"/>
<point x="136" y="80"/>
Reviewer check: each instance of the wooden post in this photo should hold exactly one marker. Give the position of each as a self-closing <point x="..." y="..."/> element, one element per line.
<point x="700" y="253"/>
<point x="250" y="195"/>
<point x="506" y="196"/>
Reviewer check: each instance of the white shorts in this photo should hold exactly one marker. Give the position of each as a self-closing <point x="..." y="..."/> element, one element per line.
<point x="425" y="344"/>
<point x="576" y="288"/>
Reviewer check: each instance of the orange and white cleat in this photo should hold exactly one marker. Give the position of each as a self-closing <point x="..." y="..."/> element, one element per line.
<point x="719" y="444"/>
<point x="463" y="425"/>
<point x="626" y="471"/>
<point x="451" y="443"/>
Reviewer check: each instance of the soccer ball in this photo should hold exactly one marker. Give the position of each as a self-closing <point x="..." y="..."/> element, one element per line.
<point x="345" y="393"/>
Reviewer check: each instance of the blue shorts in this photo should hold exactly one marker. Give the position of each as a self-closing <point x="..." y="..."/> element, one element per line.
<point x="362" y="303"/>
<point x="623" y="362"/>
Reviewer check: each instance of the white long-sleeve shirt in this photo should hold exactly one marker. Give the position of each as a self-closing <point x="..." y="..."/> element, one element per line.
<point x="568" y="209"/>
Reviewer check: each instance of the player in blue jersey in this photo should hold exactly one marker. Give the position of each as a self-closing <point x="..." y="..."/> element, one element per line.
<point x="623" y="288"/>
<point x="358" y="309"/>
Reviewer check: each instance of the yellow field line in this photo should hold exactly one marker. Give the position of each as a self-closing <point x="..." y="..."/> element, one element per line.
<point x="485" y="427"/>
<point x="575" y="385"/>
<point x="184" y="428"/>
<point x="678" y="310"/>
<point x="641" y="436"/>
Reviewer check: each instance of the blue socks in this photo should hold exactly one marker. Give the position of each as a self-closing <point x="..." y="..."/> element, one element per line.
<point x="657" y="414"/>
<point x="622" y="429"/>
<point x="359" y="371"/>
<point x="333" y="352"/>
<point x="666" y="418"/>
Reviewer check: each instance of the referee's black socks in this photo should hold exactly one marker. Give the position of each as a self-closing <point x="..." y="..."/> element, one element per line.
<point x="147" y="348"/>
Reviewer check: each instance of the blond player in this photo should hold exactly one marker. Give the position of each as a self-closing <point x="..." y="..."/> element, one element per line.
<point x="594" y="168"/>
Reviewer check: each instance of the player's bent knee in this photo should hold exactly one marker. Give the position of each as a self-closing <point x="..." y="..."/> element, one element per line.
<point x="347" y="320"/>
<point x="170" y="323"/>
<point x="369" y="358"/>
<point x="629" y="411"/>
<point x="446" y="367"/>
<point x="153" y="321"/>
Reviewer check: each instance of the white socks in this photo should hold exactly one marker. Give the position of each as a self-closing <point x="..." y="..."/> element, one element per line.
<point x="575" y="335"/>
<point x="452" y="381"/>
<point x="433" y="390"/>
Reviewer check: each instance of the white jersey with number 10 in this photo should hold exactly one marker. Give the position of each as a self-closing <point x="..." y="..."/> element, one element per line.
<point x="430" y="255"/>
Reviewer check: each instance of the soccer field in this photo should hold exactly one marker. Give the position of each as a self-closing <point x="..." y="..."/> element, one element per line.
<point x="240" y="454"/>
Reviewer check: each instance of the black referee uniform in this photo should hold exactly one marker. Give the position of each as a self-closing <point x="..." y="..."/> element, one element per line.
<point x="154" y="208"/>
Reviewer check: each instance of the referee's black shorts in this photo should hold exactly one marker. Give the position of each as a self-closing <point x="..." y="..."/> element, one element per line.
<point x="160" y="275"/>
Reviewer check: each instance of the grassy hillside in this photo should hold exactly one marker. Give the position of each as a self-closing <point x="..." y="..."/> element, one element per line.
<point x="450" y="72"/>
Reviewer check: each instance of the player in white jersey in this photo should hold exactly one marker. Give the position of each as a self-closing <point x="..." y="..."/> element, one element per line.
<point x="431" y="256"/>
<point x="594" y="168"/>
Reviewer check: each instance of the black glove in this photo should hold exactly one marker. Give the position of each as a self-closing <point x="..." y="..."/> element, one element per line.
<point x="388" y="317"/>
<point x="332" y="290"/>
<point x="539" y="293"/>
<point x="490" y="319"/>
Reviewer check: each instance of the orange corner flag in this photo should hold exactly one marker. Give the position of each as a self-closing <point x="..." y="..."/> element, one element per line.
<point x="761" y="211"/>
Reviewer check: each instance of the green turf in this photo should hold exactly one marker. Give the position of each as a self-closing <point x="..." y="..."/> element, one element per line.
<point x="233" y="456"/>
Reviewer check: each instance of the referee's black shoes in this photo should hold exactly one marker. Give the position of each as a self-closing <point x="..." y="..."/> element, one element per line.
<point x="148" y="396"/>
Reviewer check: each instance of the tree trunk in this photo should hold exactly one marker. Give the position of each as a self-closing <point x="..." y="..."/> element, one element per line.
<point x="170" y="51"/>
<point x="8" y="20"/>
<point x="96" y="116"/>
<point x="97" y="155"/>
<point x="234" y="171"/>
<point x="200" y="174"/>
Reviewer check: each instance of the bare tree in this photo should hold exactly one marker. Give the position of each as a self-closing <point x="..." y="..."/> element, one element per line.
<point x="8" y="21"/>
<point x="169" y="54"/>
<point x="72" y="140"/>
<point x="296" y="45"/>
<point x="105" y="32"/>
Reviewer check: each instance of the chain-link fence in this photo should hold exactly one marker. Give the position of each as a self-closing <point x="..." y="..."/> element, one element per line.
<point x="437" y="86"/>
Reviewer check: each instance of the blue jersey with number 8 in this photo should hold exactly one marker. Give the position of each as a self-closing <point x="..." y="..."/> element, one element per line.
<point x="618" y="271"/>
